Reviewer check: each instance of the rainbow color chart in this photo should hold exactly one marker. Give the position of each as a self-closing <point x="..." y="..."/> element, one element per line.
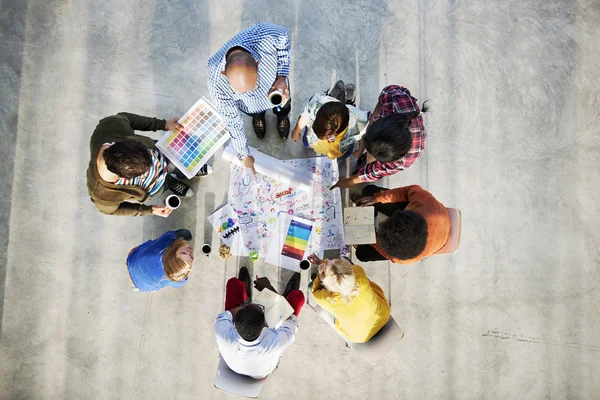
<point x="296" y="240"/>
<point x="204" y="132"/>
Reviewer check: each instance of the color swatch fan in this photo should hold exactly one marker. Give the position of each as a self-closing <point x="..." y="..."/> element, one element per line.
<point x="203" y="133"/>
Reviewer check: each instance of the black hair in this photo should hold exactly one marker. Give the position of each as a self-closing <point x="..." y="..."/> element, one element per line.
<point x="388" y="139"/>
<point x="403" y="235"/>
<point x="249" y="322"/>
<point x="128" y="159"/>
<point x="331" y="119"/>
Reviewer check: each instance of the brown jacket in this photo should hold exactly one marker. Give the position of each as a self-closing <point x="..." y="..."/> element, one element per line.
<point x="435" y="214"/>
<point x="114" y="199"/>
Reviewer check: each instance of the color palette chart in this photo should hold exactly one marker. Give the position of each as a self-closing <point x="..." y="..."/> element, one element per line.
<point x="204" y="132"/>
<point x="296" y="240"/>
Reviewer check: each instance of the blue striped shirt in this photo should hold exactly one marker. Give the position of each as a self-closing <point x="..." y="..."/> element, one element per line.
<point x="269" y="44"/>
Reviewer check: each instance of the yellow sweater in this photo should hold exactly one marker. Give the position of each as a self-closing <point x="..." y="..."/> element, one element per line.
<point x="362" y="319"/>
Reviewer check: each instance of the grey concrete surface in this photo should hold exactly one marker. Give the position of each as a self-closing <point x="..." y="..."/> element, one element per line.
<point x="513" y="142"/>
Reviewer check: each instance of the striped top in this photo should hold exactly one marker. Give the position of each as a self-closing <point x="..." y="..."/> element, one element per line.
<point x="152" y="180"/>
<point x="269" y="44"/>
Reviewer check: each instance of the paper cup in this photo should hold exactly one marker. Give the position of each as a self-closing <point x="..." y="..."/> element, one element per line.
<point x="276" y="97"/>
<point x="206" y="249"/>
<point x="173" y="202"/>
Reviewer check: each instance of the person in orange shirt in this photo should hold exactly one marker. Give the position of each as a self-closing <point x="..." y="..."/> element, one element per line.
<point x="417" y="225"/>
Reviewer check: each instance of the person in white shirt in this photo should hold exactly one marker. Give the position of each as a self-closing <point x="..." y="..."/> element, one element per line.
<point x="245" y="343"/>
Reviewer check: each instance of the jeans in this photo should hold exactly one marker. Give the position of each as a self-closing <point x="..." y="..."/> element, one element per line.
<point x="366" y="252"/>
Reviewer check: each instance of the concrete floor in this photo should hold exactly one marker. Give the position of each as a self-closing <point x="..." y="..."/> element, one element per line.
<point x="513" y="142"/>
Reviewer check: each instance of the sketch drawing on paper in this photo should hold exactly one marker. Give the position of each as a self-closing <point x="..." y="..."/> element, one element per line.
<point x="258" y="200"/>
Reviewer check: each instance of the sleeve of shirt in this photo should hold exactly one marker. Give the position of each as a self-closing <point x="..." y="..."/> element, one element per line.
<point x="376" y="170"/>
<point x="361" y="115"/>
<point x="233" y="117"/>
<point x="223" y="326"/>
<point x="309" y="111"/>
<point x="348" y="144"/>
<point x="286" y="334"/>
<point x="283" y="47"/>
<point x="402" y="194"/>
<point x="141" y="123"/>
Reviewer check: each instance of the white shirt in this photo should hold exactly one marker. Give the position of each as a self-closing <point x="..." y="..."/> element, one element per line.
<point x="258" y="358"/>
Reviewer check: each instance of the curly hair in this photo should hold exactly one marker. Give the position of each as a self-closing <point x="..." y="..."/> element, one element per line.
<point x="128" y="159"/>
<point x="403" y="235"/>
<point x="249" y="322"/>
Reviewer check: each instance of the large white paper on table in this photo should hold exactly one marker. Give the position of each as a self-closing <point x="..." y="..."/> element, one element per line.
<point x="289" y="242"/>
<point x="359" y="225"/>
<point x="258" y="200"/>
<point x="277" y="308"/>
<point x="276" y="169"/>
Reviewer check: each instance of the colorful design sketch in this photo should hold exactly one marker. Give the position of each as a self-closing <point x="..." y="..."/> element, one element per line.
<point x="296" y="240"/>
<point x="259" y="200"/>
<point x="204" y="132"/>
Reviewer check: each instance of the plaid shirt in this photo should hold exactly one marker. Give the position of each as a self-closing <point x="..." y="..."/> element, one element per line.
<point x="270" y="45"/>
<point x="397" y="99"/>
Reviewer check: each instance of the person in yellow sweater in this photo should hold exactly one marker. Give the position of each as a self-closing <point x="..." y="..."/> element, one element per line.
<point x="358" y="305"/>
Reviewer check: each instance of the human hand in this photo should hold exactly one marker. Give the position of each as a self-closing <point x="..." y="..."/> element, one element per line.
<point x="249" y="163"/>
<point x="296" y="134"/>
<point x="261" y="283"/>
<point x="343" y="183"/>
<point x="281" y="84"/>
<point x="161" y="211"/>
<point x="314" y="259"/>
<point x="173" y="124"/>
<point x="366" y="201"/>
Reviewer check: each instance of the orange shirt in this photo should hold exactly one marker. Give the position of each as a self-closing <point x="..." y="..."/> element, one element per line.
<point x="435" y="214"/>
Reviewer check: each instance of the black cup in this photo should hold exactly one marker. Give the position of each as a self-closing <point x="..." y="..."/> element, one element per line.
<point x="304" y="265"/>
<point x="174" y="202"/>
<point x="276" y="99"/>
<point x="206" y="249"/>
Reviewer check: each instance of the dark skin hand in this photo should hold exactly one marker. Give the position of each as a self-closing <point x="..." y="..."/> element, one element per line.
<point x="344" y="183"/>
<point x="261" y="283"/>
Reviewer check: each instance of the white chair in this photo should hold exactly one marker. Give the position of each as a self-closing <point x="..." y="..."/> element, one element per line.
<point x="453" y="242"/>
<point x="240" y="385"/>
<point x="377" y="347"/>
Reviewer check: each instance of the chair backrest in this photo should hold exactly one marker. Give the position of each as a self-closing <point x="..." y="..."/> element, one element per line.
<point x="381" y="344"/>
<point x="377" y="347"/>
<point x="233" y="383"/>
<point x="453" y="242"/>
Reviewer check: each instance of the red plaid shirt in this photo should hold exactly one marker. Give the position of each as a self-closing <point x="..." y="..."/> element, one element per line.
<point x="397" y="99"/>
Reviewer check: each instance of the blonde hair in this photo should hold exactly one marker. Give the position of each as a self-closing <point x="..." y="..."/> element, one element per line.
<point x="339" y="278"/>
<point x="175" y="268"/>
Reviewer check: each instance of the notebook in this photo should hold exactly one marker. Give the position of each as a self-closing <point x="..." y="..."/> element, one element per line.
<point x="359" y="225"/>
<point x="277" y="308"/>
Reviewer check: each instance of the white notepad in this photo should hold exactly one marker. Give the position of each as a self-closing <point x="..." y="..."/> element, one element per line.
<point x="359" y="225"/>
<point x="277" y="308"/>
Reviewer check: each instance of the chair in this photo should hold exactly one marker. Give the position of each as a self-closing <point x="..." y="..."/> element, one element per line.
<point x="453" y="242"/>
<point x="377" y="347"/>
<point x="230" y="382"/>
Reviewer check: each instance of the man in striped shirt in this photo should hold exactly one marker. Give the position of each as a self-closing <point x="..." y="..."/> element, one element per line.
<point x="242" y="75"/>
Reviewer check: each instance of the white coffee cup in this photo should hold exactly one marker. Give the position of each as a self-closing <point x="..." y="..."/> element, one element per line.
<point x="173" y="202"/>
<point x="276" y="97"/>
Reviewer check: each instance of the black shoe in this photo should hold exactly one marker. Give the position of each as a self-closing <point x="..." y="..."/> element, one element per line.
<point x="293" y="283"/>
<point x="283" y="126"/>
<point x="260" y="125"/>
<point x="244" y="276"/>
<point x="178" y="187"/>
<point x="206" y="170"/>
<point x="350" y="93"/>
<point x="338" y="91"/>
